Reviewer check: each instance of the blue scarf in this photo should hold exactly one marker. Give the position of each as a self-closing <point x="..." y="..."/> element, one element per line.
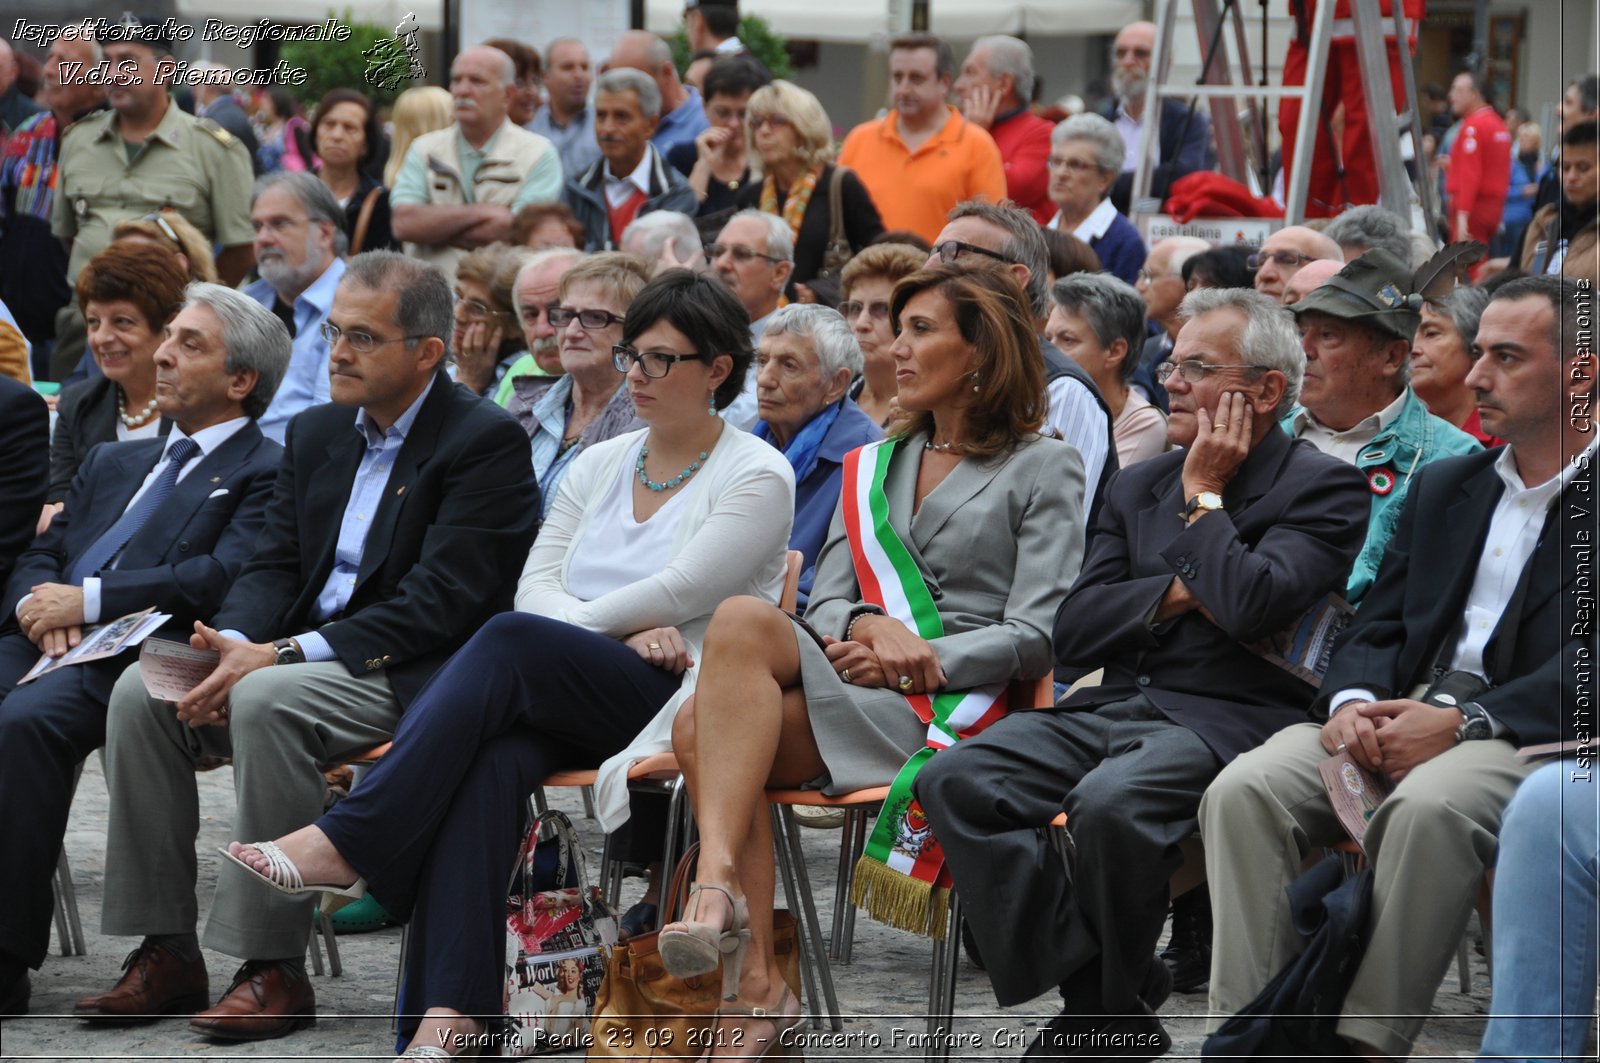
<point x="802" y="449"/>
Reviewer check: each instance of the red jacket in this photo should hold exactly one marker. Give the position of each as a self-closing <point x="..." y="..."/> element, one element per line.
<point x="1024" y="143"/>
<point x="1480" y="170"/>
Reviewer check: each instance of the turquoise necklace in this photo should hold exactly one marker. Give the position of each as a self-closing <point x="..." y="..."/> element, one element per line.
<point x="689" y="470"/>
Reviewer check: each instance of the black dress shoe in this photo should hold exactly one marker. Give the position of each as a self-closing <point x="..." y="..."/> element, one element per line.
<point x="1136" y="1038"/>
<point x="1188" y="951"/>
<point x="14" y="997"/>
<point x="640" y="919"/>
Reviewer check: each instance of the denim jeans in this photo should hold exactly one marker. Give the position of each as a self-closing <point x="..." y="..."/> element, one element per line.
<point x="1545" y="901"/>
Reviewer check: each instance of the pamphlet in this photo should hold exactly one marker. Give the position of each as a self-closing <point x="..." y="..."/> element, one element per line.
<point x="1304" y="647"/>
<point x="171" y="669"/>
<point x="1354" y="791"/>
<point x="104" y="640"/>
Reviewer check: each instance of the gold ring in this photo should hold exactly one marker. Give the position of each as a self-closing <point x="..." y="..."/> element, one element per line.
<point x="846" y="676"/>
<point x="905" y="682"/>
<point x="1220" y="424"/>
<point x="1341" y="748"/>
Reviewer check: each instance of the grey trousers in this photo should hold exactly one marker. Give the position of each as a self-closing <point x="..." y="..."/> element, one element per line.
<point x="284" y="722"/>
<point x="1429" y="844"/>
<point x="1130" y="781"/>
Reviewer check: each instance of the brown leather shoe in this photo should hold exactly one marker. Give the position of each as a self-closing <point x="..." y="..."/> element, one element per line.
<point x="154" y="982"/>
<point x="267" y="999"/>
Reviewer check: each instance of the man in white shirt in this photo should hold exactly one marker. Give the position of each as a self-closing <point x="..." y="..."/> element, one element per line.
<point x="162" y="523"/>
<point x="300" y="245"/>
<point x="1478" y="591"/>
<point x="1355" y="402"/>
<point x="753" y="256"/>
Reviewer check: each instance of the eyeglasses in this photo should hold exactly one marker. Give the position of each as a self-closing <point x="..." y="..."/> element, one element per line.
<point x="476" y="311"/>
<point x="653" y="364"/>
<point x="593" y="320"/>
<point x="360" y="342"/>
<point x="1286" y="259"/>
<point x="1194" y="370"/>
<point x="776" y="121"/>
<point x="852" y="310"/>
<point x="161" y="223"/>
<point x="951" y="250"/>
<point x="740" y="253"/>
<point x="1056" y="162"/>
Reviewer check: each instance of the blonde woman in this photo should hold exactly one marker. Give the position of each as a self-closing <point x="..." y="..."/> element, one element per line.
<point x="418" y="110"/>
<point x="790" y="147"/>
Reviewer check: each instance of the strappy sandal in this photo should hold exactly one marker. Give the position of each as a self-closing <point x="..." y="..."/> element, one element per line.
<point x="778" y="1046"/>
<point x="699" y="947"/>
<point x="284" y="877"/>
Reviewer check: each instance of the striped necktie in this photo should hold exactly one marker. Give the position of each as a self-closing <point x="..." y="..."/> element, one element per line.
<point x="103" y="550"/>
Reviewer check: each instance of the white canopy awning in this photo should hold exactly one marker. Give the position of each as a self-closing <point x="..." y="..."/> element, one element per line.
<point x="859" y="21"/>
<point x="379" y="12"/>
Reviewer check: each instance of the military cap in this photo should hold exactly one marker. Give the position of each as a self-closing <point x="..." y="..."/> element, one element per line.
<point x="1373" y="290"/>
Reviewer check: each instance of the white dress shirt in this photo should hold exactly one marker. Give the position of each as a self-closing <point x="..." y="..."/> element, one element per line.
<point x="1348" y="444"/>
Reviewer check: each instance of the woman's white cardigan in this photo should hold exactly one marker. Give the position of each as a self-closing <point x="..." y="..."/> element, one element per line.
<point x="732" y="532"/>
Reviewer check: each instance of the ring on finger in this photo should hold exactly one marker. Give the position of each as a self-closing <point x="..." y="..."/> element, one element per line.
<point x="655" y="647"/>
<point x="845" y="675"/>
<point x="905" y="683"/>
<point x="1219" y="425"/>
<point x="1341" y="748"/>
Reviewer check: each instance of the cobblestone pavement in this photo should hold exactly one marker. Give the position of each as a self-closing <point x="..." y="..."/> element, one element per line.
<point x="883" y="992"/>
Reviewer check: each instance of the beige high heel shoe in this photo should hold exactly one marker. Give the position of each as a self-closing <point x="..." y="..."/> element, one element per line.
<point x="699" y="947"/>
<point x="778" y="1046"/>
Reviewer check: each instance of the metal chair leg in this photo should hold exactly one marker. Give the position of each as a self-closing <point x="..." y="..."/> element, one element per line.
<point x="314" y="948"/>
<point x="841" y="887"/>
<point x="942" y="984"/>
<point x="588" y="801"/>
<point x="785" y="862"/>
<point x="858" y="845"/>
<point x="330" y="941"/>
<point x="69" y="927"/>
<point x="540" y="805"/>
<point x="808" y="906"/>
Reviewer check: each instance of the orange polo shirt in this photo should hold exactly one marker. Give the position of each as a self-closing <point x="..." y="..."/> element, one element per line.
<point x="916" y="189"/>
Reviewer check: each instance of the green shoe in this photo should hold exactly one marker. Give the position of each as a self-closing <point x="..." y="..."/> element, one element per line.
<point x="361" y="916"/>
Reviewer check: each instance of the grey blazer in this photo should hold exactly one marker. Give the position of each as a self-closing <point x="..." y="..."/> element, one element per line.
<point x="999" y="543"/>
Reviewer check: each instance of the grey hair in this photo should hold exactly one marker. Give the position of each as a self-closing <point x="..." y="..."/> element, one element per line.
<point x="653" y="230"/>
<point x="84" y="31"/>
<point x="538" y="260"/>
<point x="780" y="238"/>
<point x="1024" y="244"/>
<point x="1268" y="338"/>
<point x="1008" y="55"/>
<point x="1108" y="146"/>
<point x="1112" y="309"/>
<point x="425" y="307"/>
<point x="627" y="79"/>
<point x="1464" y="307"/>
<point x="829" y="333"/>
<point x="314" y="197"/>
<point x="253" y="337"/>
<point x="1371" y="226"/>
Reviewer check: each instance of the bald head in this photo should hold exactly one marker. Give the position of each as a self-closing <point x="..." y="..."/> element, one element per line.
<point x="1161" y="279"/>
<point x="651" y="55"/>
<point x="8" y="66"/>
<point x="1307" y="279"/>
<point x="1286" y="251"/>
<point x="482" y="80"/>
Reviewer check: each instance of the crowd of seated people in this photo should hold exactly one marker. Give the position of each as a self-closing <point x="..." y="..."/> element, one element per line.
<point x="552" y="455"/>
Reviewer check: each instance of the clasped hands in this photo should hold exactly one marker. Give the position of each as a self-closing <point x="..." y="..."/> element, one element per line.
<point x="52" y="618"/>
<point x="663" y="647"/>
<point x="1393" y="736"/>
<point x="207" y="704"/>
<point x="880" y="651"/>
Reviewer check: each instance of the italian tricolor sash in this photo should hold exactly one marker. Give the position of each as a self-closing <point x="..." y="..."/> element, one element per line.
<point x="901" y="878"/>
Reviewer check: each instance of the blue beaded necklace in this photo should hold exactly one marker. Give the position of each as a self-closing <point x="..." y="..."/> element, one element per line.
<point x="689" y="470"/>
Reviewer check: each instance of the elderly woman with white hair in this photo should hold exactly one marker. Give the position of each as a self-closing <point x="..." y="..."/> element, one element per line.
<point x="791" y="143"/>
<point x="1085" y="157"/>
<point x="804" y="366"/>
<point x="668" y="239"/>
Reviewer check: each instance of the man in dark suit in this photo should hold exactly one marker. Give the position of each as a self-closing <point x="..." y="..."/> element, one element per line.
<point x="1195" y="556"/>
<point x="395" y="530"/>
<point x="1480" y="580"/>
<point x="24" y="468"/>
<point x="163" y="523"/>
<point x="1183" y="137"/>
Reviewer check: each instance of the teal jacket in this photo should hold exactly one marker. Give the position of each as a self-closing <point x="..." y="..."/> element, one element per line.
<point x="1413" y="439"/>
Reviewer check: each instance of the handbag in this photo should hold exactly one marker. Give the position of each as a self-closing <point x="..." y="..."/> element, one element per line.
<point x="559" y="931"/>
<point x="838" y="252"/>
<point x="358" y="242"/>
<point x="642" y="1012"/>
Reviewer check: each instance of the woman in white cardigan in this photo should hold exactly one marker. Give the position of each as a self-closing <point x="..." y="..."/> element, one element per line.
<point x="648" y="533"/>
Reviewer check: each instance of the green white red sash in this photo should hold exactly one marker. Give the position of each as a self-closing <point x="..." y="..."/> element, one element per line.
<point x="901" y="878"/>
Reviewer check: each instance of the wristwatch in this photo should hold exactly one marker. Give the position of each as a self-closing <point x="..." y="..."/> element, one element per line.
<point x="1475" y="726"/>
<point x="1207" y="500"/>
<point x="287" y="652"/>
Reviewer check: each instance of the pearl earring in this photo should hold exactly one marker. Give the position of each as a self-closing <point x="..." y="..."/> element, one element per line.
<point x="711" y="404"/>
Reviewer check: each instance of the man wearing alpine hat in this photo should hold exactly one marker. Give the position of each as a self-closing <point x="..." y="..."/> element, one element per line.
<point x="1356" y="402"/>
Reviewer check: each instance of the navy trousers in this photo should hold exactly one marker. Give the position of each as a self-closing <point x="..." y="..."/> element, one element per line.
<point x="435" y="826"/>
<point x="46" y="728"/>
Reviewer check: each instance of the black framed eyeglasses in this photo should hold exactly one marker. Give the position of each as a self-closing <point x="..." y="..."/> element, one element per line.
<point x="740" y="253"/>
<point x="1194" y="370"/>
<point x="1286" y="259"/>
<point x="653" y="364"/>
<point x="593" y="320"/>
<point x="851" y="310"/>
<point x="360" y="342"/>
<point x="951" y="250"/>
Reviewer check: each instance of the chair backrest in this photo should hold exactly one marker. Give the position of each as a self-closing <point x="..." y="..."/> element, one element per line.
<point x="793" y="562"/>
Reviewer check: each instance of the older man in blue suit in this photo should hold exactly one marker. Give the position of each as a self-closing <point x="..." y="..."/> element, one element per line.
<point x="164" y="523"/>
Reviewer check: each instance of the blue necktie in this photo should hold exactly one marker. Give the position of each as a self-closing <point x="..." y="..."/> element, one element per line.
<point x="104" y="549"/>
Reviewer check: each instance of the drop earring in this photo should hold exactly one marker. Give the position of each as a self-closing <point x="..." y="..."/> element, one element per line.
<point x="711" y="404"/>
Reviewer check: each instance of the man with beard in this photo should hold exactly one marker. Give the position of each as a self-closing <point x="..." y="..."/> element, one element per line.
<point x="1184" y="140"/>
<point x="300" y="241"/>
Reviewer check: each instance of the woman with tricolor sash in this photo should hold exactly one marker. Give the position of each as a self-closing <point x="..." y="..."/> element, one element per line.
<point x="954" y="541"/>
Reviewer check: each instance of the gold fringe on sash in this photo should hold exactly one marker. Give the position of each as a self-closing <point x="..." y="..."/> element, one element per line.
<point x="898" y="900"/>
